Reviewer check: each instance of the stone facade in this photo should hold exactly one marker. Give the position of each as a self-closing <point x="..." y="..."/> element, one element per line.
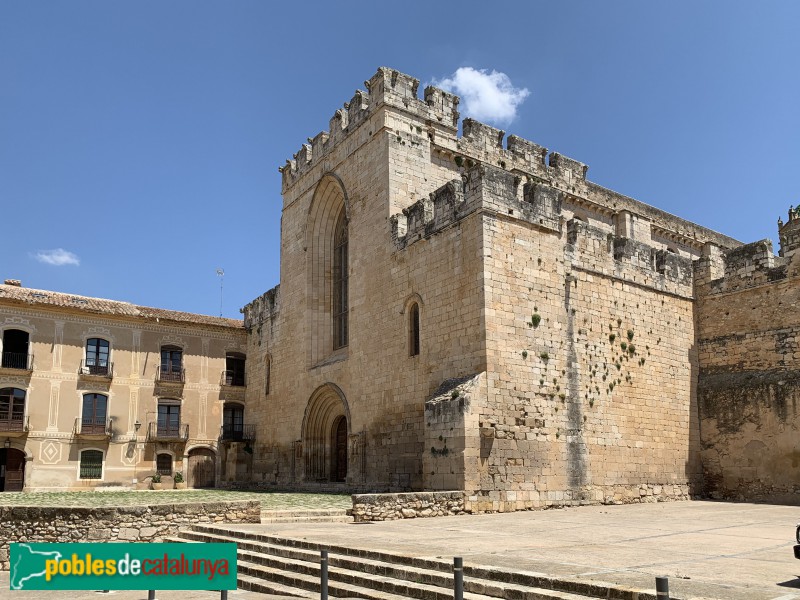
<point x="749" y="386"/>
<point x="114" y="524"/>
<point x="88" y="374"/>
<point x="470" y="313"/>
<point x="513" y="330"/>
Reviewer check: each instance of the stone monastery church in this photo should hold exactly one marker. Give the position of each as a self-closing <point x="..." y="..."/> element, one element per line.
<point x="454" y="313"/>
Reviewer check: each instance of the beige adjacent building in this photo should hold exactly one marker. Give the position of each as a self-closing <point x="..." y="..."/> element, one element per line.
<point x="99" y="393"/>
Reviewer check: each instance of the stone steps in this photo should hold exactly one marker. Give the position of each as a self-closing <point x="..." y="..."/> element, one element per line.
<point x="267" y="562"/>
<point x="332" y="515"/>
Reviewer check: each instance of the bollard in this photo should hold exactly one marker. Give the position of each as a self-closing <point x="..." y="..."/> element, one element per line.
<point x="323" y="575"/>
<point x="662" y="588"/>
<point x="458" y="578"/>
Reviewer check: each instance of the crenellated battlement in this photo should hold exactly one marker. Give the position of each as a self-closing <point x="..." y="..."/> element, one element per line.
<point x="262" y="309"/>
<point x="437" y="110"/>
<point x="745" y="267"/>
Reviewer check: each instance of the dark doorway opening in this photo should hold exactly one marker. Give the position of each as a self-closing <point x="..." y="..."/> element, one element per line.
<point x="339" y="446"/>
<point x="12" y="470"/>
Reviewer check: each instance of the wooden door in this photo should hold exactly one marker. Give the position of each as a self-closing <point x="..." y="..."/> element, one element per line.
<point x="15" y="471"/>
<point x="201" y="468"/>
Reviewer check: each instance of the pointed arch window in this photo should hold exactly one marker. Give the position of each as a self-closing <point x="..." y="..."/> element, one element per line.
<point x="413" y="330"/>
<point x="340" y="306"/>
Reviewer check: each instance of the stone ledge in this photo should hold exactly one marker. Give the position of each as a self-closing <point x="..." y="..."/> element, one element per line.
<point x="409" y="505"/>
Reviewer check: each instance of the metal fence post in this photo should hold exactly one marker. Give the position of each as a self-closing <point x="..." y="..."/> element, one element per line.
<point x="323" y="575"/>
<point x="662" y="588"/>
<point x="458" y="578"/>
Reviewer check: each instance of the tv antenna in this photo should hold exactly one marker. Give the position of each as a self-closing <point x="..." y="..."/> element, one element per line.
<point x="221" y="275"/>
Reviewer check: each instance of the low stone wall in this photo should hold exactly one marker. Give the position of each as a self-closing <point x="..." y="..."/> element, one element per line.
<point x="114" y="524"/>
<point x="388" y="507"/>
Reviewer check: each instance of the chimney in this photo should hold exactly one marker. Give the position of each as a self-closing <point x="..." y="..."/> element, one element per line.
<point x="14" y="282"/>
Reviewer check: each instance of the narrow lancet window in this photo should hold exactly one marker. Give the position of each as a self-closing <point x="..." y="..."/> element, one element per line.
<point x="340" y="283"/>
<point x="413" y="330"/>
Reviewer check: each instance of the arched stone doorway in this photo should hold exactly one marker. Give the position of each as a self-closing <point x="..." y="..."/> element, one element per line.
<point x="202" y="468"/>
<point x="325" y="428"/>
<point x="12" y="470"/>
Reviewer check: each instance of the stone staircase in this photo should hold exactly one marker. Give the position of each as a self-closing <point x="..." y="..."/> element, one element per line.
<point x="329" y="515"/>
<point x="291" y="567"/>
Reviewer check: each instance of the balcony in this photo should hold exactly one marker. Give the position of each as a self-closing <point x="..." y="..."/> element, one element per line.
<point x="92" y="368"/>
<point x="92" y="428"/>
<point x="14" y="427"/>
<point x="171" y="375"/>
<point x="237" y="433"/>
<point x="167" y="432"/>
<point x="17" y="361"/>
<point x="233" y="378"/>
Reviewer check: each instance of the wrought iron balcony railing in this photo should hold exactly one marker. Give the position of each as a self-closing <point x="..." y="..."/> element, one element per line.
<point x="165" y="432"/>
<point x="95" y="368"/>
<point x="233" y="378"/>
<point x="15" y="425"/>
<point x="237" y="433"/>
<point x="170" y="375"/>
<point x="92" y="427"/>
<point x="17" y="360"/>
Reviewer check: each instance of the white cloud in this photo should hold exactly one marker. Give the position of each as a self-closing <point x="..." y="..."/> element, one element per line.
<point x="487" y="96"/>
<point x="58" y="257"/>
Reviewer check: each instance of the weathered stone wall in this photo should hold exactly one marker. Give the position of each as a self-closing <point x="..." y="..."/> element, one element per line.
<point x="569" y="305"/>
<point x="390" y="507"/>
<point x="114" y="524"/>
<point x="749" y="387"/>
<point x="373" y="155"/>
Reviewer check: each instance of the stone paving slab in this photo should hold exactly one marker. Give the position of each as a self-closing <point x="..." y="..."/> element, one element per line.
<point x="707" y="549"/>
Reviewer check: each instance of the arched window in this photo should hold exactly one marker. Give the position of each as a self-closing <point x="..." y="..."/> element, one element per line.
<point x="97" y="350"/>
<point x="413" y="330"/>
<point x="95" y="413"/>
<point x="340" y="282"/>
<point x="164" y="464"/>
<point x="171" y="364"/>
<point x="12" y="409"/>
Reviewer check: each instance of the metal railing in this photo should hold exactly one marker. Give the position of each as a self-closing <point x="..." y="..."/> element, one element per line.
<point x="171" y="375"/>
<point x="168" y="431"/>
<point x="17" y="360"/>
<point x="92" y="426"/>
<point x="233" y="378"/>
<point x="237" y="433"/>
<point x="95" y="368"/>
<point x="15" y="425"/>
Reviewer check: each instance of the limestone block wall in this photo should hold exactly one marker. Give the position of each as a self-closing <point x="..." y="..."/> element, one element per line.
<point x="374" y="161"/>
<point x="749" y="388"/>
<point x="113" y="524"/>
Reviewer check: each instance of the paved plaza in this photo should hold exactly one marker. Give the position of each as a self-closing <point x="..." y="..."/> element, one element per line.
<point x="707" y="549"/>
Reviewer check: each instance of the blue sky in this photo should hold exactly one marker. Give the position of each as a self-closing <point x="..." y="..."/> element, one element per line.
<point x="143" y="138"/>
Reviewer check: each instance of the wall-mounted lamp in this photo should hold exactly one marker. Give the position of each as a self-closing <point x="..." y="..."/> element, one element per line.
<point x="137" y="425"/>
<point x="7" y="443"/>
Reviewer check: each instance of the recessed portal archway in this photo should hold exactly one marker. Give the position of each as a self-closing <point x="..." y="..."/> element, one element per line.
<point x="325" y="428"/>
